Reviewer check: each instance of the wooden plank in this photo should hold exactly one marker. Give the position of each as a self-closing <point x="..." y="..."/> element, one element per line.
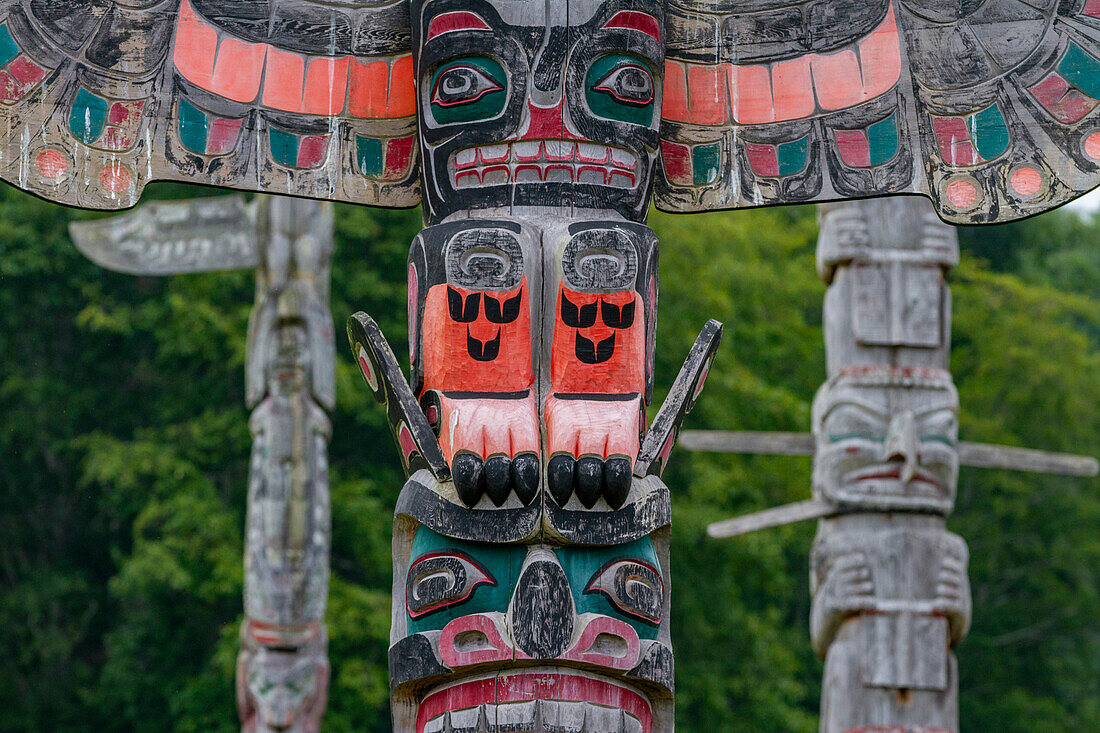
<point x="166" y="238"/>
<point x="976" y="455"/>
<point x="788" y="514"/>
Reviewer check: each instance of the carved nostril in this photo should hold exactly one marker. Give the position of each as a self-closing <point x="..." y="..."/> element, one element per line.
<point x="542" y="608"/>
<point x="611" y="645"/>
<point x="472" y="641"/>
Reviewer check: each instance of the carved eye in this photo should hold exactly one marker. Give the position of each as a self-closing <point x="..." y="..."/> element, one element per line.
<point x="442" y="579"/>
<point x="621" y="87"/>
<point x="462" y="83"/>
<point x="847" y="423"/>
<point x="633" y="587"/>
<point x="628" y="83"/>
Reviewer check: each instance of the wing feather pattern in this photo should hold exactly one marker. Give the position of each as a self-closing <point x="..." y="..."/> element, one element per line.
<point x="991" y="109"/>
<point x="100" y="97"/>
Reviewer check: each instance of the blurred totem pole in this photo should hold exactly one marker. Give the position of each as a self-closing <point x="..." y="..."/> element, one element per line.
<point x="891" y="597"/>
<point x="890" y="591"/>
<point x="282" y="668"/>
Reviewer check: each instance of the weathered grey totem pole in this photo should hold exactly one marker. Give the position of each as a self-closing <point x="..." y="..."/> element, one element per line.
<point x="531" y="587"/>
<point x="891" y="596"/>
<point x="282" y="669"/>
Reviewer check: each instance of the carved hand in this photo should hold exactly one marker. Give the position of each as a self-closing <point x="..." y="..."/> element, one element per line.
<point x="848" y="589"/>
<point x="953" y="596"/>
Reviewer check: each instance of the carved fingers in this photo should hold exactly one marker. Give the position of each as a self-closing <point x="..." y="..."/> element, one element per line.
<point x="953" y="596"/>
<point x="848" y="589"/>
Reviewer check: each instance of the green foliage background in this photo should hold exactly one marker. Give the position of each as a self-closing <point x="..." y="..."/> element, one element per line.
<point x="123" y="459"/>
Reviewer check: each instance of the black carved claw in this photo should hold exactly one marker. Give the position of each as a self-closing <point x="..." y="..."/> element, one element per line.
<point x="496" y="477"/>
<point x="590" y="477"/>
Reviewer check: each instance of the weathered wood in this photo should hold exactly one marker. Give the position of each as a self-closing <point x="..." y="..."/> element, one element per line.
<point x="981" y="455"/>
<point x="282" y="667"/>
<point x="787" y="514"/>
<point x="689" y="383"/>
<point x="748" y="441"/>
<point x="199" y="235"/>
<point x="977" y="455"/>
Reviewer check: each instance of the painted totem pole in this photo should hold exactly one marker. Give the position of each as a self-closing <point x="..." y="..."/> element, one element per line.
<point x="282" y="668"/>
<point x="530" y="544"/>
<point x="531" y="589"/>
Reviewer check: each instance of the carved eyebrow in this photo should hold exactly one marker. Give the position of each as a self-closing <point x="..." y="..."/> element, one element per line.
<point x="636" y="20"/>
<point x="456" y="20"/>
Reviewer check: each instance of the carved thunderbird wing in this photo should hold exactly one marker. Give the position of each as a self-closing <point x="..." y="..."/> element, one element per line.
<point x="311" y="97"/>
<point x="990" y="108"/>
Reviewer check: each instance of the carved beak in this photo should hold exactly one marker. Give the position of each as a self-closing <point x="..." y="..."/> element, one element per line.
<point x="901" y="444"/>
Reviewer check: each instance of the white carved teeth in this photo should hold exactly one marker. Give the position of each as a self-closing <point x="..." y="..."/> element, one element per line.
<point x="623" y="159"/>
<point x="527" y="149"/>
<point x="528" y="174"/>
<point x="592" y="174"/>
<point x="466" y="158"/>
<point x="498" y="153"/>
<point x="559" y="174"/>
<point x="536" y="716"/>
<point x="545" y="161"/>
<point x="559" y="150"/>
<point x="496" y="176"/>
<point x="593" y="153"/>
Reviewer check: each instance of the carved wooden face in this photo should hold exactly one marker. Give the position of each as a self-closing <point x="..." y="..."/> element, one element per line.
<point x="284" y="689"/>
<point x="887" y="445"/>
<point x="538" y="104"/>
<point x="595" y="618"/>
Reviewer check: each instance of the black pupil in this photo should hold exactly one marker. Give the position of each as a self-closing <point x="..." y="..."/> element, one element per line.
<point x="459" y="84"/>
<point x="633" y="83"/>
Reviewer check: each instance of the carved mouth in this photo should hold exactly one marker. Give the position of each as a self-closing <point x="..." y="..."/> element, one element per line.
<point x="544" y="161"/>
<point x="539" y="701"/>
<point x="892" y="472"/>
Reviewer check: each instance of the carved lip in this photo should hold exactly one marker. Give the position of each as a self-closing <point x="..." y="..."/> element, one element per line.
<point x="517" y="702"/>
<point x="892" y="472"/>
<point x="544" y="161"/>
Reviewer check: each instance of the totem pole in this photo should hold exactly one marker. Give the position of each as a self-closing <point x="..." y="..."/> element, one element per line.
<point x="530" y="545"/>
<point x="282" y="668"/>
<point x="891" y="597"/>
<point x="531" y="549"/>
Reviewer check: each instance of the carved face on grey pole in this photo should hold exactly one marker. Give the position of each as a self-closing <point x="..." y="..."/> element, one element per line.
<point x="282" y="690"/>
<point x="886" y="439"/>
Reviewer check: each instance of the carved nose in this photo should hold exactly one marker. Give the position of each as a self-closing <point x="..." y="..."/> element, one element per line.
<point x="901" y="443"/>
<point x="542" y="607"/>
<point x="548" y="123"/>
